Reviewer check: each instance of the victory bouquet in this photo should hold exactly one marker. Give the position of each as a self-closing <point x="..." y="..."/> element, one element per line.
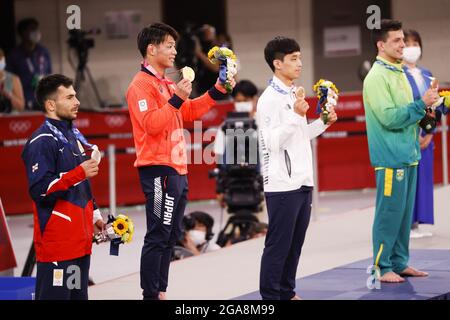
<point x="445" y="95"/>
<point x="328" y="95"/>
<point x="227" y="61"/>
<point x="118" y="230"/>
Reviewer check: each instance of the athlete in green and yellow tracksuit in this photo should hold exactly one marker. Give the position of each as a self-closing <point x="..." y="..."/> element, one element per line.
<point x="392" y="118"/>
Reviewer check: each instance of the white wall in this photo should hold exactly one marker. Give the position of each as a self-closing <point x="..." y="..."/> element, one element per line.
<point x="113" y="63"/>
<point x="431" y="20"/>
<point x="252" y="23"/>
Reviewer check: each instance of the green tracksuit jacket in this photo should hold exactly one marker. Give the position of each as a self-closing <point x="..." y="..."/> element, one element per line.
<point x="392" y="128"/>
<point x="392" y="116"/>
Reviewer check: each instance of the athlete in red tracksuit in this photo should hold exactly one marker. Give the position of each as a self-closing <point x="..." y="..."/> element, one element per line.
<point x="157" y="109"/>
<point x="64" y="209"/>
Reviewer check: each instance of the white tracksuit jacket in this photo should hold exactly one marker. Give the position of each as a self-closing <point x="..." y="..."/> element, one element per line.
<point x="284" y="140"/>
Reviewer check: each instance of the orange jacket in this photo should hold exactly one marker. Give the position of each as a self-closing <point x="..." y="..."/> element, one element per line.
<point x="157" y="116"/>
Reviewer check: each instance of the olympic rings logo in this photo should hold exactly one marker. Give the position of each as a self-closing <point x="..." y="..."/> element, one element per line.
<point x="82" y="123"/>
<point x="19" y="126"/>
<point x="115" y="121"/>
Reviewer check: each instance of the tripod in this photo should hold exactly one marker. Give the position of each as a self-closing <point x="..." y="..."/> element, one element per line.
<point x="239" y="227"/>
<point x="242" y="189"/>
<point x="30" y="262"/>
<point x="81" y="77"/>
<point x="83" y="73"/>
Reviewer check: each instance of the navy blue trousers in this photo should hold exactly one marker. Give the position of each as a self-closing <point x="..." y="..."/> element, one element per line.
<point x="65" y="280"/>
<point x="166" y="199"/>
<point x="289" y="213"/>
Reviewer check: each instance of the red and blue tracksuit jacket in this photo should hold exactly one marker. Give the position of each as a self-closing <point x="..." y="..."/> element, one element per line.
<point x="62" y="199"/>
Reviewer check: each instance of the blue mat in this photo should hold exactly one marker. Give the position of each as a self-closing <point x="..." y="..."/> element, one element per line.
<point x="348" y="282"/>
<point x="17" y="288"/>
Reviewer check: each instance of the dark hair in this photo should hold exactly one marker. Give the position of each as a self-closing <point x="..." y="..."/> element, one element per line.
<point x="25" y="24"/>
<point x="414" y="35"/>
<point x="246" y="88"/>
<point x="381" y="34"/>
<point x="200" y="217"/>
<point x="277" y="48"/>
<point x="49" y="85"/>
<point x="155" y="33"/>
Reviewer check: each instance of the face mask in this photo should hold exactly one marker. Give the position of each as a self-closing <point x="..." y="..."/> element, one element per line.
<point x="244" y="106"/>
<point x="2" y="64"/>
<point x="35" y="36"/>
<point x="198" y="237"/>
<point x="411" y="54"/>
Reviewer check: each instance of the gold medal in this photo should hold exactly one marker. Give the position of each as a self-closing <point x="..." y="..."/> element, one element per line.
<point x="188" y="73"/>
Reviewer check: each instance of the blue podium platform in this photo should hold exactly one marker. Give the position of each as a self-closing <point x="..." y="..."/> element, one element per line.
<point x="348" y="282"/>
<point x="17" y="288"/>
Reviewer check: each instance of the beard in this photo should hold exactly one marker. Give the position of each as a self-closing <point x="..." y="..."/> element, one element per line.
<point x="69" y="117"/>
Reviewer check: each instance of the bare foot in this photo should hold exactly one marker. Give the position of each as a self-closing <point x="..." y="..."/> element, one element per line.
<point x="296" y="297"/>
<point x="411" y="272"/>
<point x="162" y="296"/>
<point x="391" y="277"/>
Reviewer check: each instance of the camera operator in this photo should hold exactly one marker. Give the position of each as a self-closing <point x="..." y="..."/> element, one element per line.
<point x="186" y="46"/>
<point x="197" y="236"/>
<point x="207" y="72"/>
<point x="245" y="96"/>
<point x="30" y="60"/>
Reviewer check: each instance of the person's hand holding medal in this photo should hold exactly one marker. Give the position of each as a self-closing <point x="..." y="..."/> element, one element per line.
<point x="328" y="96"/>
<point x="300" y="105"/>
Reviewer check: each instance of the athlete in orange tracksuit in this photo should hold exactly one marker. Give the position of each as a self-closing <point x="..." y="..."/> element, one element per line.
<point x="157" y="110"/>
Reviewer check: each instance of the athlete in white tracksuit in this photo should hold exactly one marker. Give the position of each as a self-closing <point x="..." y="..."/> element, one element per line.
<point x="286" y="158"/>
